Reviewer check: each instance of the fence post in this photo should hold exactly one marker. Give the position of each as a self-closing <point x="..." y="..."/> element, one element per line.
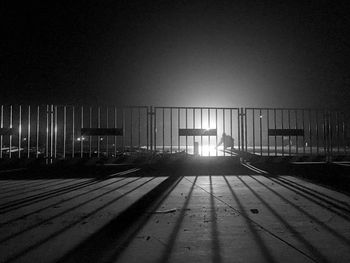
<point x="241" y="114"/>
<point x="150" y="114"/>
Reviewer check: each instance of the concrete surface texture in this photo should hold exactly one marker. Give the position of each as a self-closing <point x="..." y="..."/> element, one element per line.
<point x="41" y="220"/>
<point x="245" y="219"/>
<point x="237" y="217"/>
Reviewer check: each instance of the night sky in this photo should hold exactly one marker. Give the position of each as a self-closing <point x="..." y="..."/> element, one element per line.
<point x="176" y="53"/>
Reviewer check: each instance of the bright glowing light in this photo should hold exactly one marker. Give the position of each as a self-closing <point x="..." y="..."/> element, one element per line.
<point x="207" y="150"/>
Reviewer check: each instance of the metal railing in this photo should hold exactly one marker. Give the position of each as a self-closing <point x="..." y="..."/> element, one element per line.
<point x="55" y="131"/>
<point x="283" y="131"/>
<point x="169" y="121"/>
<point x="61" y="131"/>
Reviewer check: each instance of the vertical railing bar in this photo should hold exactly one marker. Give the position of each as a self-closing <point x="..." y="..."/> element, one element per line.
<point x="282" y="137"/>
<point x="115" y="126"/>
<point x="267" y="129"/>
<point x="163" y="129"/>
<point x="19" y="131"/>
<point x="81" y="136"/>
<point x="28" y="134"/>
<point x="223" y="125"/>
<point x="260" y="120"/>
<point x="55" y="148"/>
<point x="90" y="137"/>
<point x="239" y="129"/>
<point x="47" y="133"/>
<point x="216" y="127"/>
<point x="37" y="130"/>
<point x="98" y="126"/>
<point x="139" y="128"/>
<point x="317" y="133"/>
<point x="296" y="137"/>
<point x="64" y="130"/>
<point x="201" y="133"/>
<point x="148" y="113"/>
<point x="193" y="125"/>
<point x="330" y="134"/>
<point x="343" y="132"/>
<point x="73" y="135"/>
<point x="107" y="126"/>
<point x="1" y="126"/>
<point x="324" y="133"/>
<point x="209" y="128"/>
<point x="178" y="127"/>
<point x="131" y="127"/>
<point x="303" y="123"/>
<point x="275" y="123"/>
<point x="246" y="129"/>
<point x="310" y="136"/>
<point x="10" y="143"/>
<point x="155" y="129"/>
<point x="253" y="129"/>
<point x="51" y="132"/>
<point x="171" y="130"/>
<point x="338" y="135"/>
<point x="186" y="135"/>
<point x="231" y="128"/>
<point x="289" y="137"/>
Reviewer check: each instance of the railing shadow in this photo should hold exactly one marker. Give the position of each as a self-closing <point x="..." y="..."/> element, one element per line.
<point x="13" y="184"/>
<point x="315" y="191"/>
<point x="63" y="170"/>
<point x="19" y="187"/>
<point x="22" y="202"/>
<point x="318" y="200"/>
<point x="216" y="249"/>
<point x="303" y="211"/>
<point x="107" y="244"/>
<point x="41" y="209"/>
<point x="166" y="254"/>
<point x="258" y="240"/>
<point x="64" y="212"/>
<point x="312" y="249"/>
<point x="315" y="194"/>
<point x="72" y="224"/>
<point x="54" y="186"/>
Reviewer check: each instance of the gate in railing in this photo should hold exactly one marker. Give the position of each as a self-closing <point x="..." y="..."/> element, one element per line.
<point x="197" y="130"/>
<point x="55" y="131"/>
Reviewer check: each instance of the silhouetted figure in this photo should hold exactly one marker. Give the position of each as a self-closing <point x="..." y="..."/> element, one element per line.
<point x="227" y="141"/>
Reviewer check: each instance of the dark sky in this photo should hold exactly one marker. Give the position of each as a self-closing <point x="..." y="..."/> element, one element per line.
<point x="176" y="53"/>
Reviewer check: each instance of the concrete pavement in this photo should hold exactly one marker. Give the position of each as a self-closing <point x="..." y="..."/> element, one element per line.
<point x="251" y="218"/>
<point x="204" y="214"/>
<point x="42" y="220"/>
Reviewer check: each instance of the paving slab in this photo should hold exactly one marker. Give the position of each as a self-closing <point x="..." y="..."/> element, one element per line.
<point x="247" y="218"/>
<point x="42" y="220"/>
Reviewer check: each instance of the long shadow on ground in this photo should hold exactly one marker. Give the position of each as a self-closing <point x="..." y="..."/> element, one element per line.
<point x="328" y="174"/>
